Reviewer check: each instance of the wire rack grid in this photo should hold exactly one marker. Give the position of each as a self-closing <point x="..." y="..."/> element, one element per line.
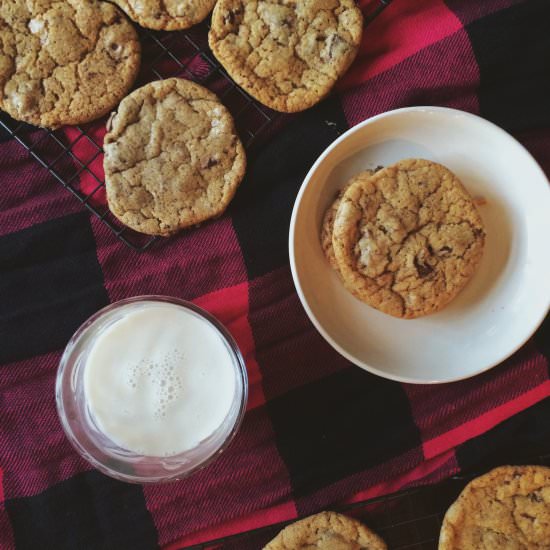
<point x="74" y="155"/>
<point x="407" y="520"/>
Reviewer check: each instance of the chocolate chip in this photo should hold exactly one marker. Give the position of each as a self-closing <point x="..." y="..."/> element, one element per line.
<point x="212" y="162"/>
<point x="430" y="249"/>
<point x="534" y="497"/>
<point x="336" y="40"/>
<point x="231" y="17"/>
<point x="379" y="167"/>
<point x="423" y="269"/>
<point x="527" y="516"/>
<point x="445" y="250"/>
<point x="287" y="22"/>
<point x="110" y="121"/>
<point x="89" y="76"/>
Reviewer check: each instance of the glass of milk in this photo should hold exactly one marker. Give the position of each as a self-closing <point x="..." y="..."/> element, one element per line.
<point x="150" y="389"/>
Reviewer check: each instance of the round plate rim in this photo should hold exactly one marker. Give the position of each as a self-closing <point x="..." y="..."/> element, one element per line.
<point x="292" y="231"/>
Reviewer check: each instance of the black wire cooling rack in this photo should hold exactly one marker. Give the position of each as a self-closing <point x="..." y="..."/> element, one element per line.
<point x="407" y="520"/>
<point x="74" y="155"/>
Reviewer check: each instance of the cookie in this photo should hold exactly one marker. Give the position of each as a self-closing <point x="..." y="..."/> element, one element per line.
<point x="167" y="15"/>
<point x="286" y="54"/>
<point x="172" y="157"/>
<point x="326" y="531"/>
<point x="408" y="238"/>
<point x="64" y="62"/>
<point x="328" y="221"/>
<point x="507" y="508"/>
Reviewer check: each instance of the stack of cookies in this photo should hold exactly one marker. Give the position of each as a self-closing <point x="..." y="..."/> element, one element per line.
<point x="404" y="239"/>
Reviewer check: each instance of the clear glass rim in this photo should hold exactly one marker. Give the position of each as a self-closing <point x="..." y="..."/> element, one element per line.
<point x="175" y="474"/>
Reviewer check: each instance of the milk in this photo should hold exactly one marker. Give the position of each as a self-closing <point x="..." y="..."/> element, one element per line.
<point x="159" y="380"/>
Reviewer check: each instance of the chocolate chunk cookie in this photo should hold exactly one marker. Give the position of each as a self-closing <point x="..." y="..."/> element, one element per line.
<point x="172" y="157"/>
<point x="326" y="531"/>
<point x="168" y="15"/>
<point x="328" y="221"/>
<point x="408" y="238"/>
<point x="64" y="62"/>
<point x="506" y="508"/>
<point x="287" y="54"/>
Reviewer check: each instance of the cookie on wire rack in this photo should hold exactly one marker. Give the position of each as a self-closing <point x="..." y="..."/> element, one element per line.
<point x="64" y="62"/>
<point x="286" y="54"/>
<point x="166" y="15"/>
<point x="172" y="157"/>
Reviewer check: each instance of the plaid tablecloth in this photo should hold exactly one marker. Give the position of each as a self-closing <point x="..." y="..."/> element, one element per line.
<point x="318" y="430"/>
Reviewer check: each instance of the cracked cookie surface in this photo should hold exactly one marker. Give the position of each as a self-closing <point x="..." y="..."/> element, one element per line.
<point x="408" y="238"/>
<point x="326" y="531"/>
<point x="328" y="221"/>
<point x="168" y="15"/>
<point x="288" y="54"/>
<point x="507" y="508"/>
<point x="64" y="62"/>
<point x="172" y="157"/>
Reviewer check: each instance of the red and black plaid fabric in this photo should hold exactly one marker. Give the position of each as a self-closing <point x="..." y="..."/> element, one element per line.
<point x="318" y="430"/>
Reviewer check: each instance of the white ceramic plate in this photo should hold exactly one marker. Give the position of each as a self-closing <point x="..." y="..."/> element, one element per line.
<point x="507" y="298"/>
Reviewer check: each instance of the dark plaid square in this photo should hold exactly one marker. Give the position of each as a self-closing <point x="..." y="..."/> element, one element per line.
<point x="51" y="282"/>
<point x="263" y="205"/>
<point x="514" y="87"/>
<point x="87" y="511"/>
<point x="336" y="426"/>
<point x="530" y="432"/>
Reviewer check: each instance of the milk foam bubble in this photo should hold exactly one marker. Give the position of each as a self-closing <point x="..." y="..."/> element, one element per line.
<point x="159" y="380"/>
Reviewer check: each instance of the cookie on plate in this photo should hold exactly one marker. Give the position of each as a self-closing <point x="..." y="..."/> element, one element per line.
<point x="507" y="508"/>
<point x="408" y="238"/>
<point x="64" y="62"/>
<point x="172" y="157"/>
<point x="167" y="15"/>
<point x="288" y="55"/>
<point x="327" y="531"/>
<point x="328" y="221"/>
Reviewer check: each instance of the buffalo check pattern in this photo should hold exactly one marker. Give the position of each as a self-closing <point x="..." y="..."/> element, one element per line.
<point x="318" y="430"/>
